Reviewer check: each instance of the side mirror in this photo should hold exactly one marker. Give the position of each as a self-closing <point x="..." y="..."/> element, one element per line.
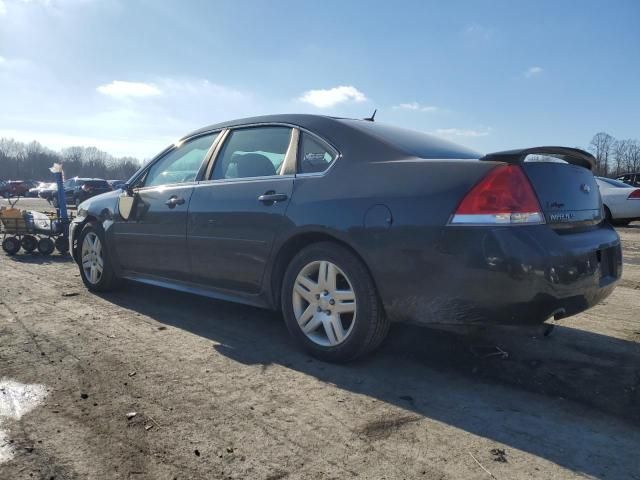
<point x="126" y="201"/>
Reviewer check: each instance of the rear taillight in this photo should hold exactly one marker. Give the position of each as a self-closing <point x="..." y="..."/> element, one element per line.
<point x="635" y="195"/>
<point x="503" y="196"/>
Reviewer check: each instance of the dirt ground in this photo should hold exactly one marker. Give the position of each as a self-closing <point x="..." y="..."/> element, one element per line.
<point x="220" y="391"/>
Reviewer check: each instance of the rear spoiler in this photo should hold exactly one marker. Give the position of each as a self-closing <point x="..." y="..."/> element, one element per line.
<point x="574" y="156"/>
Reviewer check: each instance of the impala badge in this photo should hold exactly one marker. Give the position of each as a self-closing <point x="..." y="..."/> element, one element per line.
<point x="585" y="188"/>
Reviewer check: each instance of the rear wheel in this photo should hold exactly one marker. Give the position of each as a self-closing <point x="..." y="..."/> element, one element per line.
<point x="62" y="244"/>
<point x="45" y="246"/>
<point x="29" y="243"/>
<point x="11" y="245"/>
<point x="330" y="303"/>
<point x="96" y="270"/>
<point x="607" y="214"/>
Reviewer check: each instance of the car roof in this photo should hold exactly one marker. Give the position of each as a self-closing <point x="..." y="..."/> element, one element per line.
<point x="363" y="138"/>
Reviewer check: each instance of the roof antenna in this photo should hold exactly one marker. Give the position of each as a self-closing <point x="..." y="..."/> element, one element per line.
<point x="372" y="118"/>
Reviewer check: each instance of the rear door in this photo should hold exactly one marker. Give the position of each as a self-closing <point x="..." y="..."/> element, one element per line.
<point x="153" y="240"/>
<point x="236" y="212"/>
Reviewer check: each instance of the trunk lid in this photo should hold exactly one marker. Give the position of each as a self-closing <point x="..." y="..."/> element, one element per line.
<point x="563" y="181"/>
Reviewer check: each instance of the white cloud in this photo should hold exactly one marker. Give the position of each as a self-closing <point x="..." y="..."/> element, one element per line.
<point x="462" y="132"/>
<point x="416" y="107"/>
<point x="326" y="98"/>
<point x="533" y="71"/>
<point x="478" y="32"/>
<point x="3" y="8"/>
<point x="121" y="89"/>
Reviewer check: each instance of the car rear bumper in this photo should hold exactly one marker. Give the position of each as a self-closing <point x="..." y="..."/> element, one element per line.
<point x="509" y="275"/>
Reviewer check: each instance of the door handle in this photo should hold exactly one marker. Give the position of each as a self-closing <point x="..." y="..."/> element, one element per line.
<point x="270" y="198"/>
<point x="173" y="201"/>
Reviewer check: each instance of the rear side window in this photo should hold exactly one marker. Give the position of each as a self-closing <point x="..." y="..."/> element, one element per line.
<point x="314" y="156"/>
<point x="253" y="152"/>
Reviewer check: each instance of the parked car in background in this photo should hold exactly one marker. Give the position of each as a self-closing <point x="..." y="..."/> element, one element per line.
<point x="115" y="184"/>
<point x="35" y="191"/>
<point x="632" y="179"/>
<point x="77" y="190"/>
<point x="346" y="225"/>
<point x="14" y="188"/>
<point x="621" y="201"/>
<point x="49" y="191"/>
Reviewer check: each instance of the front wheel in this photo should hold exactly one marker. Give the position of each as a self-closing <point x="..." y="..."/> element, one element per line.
<point x="96" y="270"/>
<point x="330" y="303"/>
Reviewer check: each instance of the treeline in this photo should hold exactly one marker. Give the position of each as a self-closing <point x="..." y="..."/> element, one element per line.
<point x="31" y="161"/>
<point x="615" y="157"/>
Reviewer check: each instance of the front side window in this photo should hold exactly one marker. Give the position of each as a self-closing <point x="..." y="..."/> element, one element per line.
<point x="252" y="152"/>
<point x="313" y="156"/>
<point x="180" y="165"/>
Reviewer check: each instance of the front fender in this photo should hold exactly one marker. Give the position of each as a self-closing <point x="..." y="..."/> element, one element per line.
<point x="101" y="209"/>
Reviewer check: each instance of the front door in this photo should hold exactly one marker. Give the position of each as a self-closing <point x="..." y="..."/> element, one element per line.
<point x="235" y="216"/>
<point x="153" y="240"/>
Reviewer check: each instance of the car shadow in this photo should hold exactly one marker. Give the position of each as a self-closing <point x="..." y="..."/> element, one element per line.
<point x="502" y="384"/>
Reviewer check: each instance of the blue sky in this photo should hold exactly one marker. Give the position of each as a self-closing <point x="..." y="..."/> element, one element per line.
<point x="130" y="76"/>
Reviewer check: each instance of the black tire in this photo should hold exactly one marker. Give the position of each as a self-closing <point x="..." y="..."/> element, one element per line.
<point x="62" y="244"/>
<point x="371" y="324"/>
<point x="108" y="279"/>
<point x="46" y="246"/>
<point x="11" y="245"/>
<point x="29" y="243"/>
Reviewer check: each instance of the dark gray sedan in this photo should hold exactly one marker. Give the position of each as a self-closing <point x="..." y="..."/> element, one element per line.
<point x="346" y="225"/>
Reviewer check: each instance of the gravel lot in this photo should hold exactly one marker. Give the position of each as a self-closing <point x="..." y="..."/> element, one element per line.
<point x="219" y="390"/>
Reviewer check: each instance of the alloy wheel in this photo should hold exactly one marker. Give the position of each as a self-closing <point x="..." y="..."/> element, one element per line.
<point x="324" y="303"/>
<point x="92" y="258"/>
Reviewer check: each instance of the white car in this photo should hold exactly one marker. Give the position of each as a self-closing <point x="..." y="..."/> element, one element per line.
<point x="621" y="201"/>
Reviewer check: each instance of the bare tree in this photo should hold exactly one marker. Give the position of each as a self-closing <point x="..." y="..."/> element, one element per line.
<point x="601" y="145"/>
<point x="31" y="161"/>
<point x="620" y="149"/>
<point x="632" y="163"/>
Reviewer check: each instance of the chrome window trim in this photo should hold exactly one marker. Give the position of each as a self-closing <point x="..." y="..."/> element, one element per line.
<point x="337" y="155"/>
<point x="228" y="130"/>
<point x="289" y="164"/>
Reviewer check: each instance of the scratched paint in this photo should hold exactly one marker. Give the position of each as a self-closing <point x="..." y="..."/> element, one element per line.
<point x="16" y="400"/>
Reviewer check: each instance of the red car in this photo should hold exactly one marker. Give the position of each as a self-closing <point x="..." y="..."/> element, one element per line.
<point x="14" y="188"/>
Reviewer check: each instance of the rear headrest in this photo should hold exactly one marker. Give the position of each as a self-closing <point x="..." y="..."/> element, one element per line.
<point x="253" y="165"/>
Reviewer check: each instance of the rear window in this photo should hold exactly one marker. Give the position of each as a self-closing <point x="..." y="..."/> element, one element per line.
<point x="414" y="143"/>
<point x="95" y="183"/>
<point x="613" y="183"/>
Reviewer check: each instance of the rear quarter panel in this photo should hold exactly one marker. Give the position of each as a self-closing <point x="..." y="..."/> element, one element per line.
<point x="420" y="194"/>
